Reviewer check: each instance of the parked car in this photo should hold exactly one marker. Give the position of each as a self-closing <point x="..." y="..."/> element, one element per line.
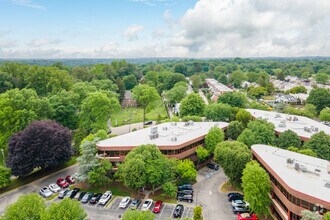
<point x="213" y="166"/>
<point x="105" y="198"/>
<point x="235" y="196"/>
<point x="54" y="188"/>
<point x="178" y="211"/>
<point x="87" y="197"/>
<point x="240" y="203"/>
<point x="186" y="192"/>
<point x="81" y="195"/>
<point x="148" y="123"/>
<point x="95" y="199"/>
<point x="70" y="179"/>
<point x="187" y="198"/>
<point x="146" y="205"/>
<point x="158" y="206"/>
<point x="135" y="204"/>
<point x="185" y="187"/>
<point x="62" y="183"/>
<point x="240" y="209"/>
<point x="68" y="194"/>
<point x="124" y="202"/>
<point x="45" y="192"/>
<point x="74" y="192"/>
<point x="247" y="216"/>
<point x="63" y="193"/>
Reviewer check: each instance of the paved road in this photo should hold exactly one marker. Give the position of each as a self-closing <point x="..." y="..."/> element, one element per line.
<point x="12" y="196"/>
<point x="215" y="203"/>
<point x="201" y="93"/>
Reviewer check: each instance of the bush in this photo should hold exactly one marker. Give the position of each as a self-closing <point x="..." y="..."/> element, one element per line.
<point x="198" y="215"/>
<point x="192" y="118"/>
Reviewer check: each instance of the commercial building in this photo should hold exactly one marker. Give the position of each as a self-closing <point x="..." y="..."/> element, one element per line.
<point x="174" y="139"/>
<point x="298" y="181"/>
<point x="303" y="126"/>
<point x="217" y="88"/>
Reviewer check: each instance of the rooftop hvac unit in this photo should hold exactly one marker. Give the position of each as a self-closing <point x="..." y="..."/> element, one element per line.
<point x="165" y="128"/>
<point x="173" y="123"/>
<point x="174" y="139"/>
<point x="307" y="129"/>
<point x="316" y="129"/>
<point x="290" y="161"/>
<point x="277" y="115"/>
<point x="191" y="122"/>
<point x="295" y="118"/>
<point x="154" y="130"/>
<point x="296" y="166"/>
<point x="154" y="136"/>
<point x="282" y="124"/>
<point x="318" y="170"/>
<point x="289" y="118"/>
<point x="186" y="124"/>
<point x="303" y="169"/>
<point x="312" y="128"/>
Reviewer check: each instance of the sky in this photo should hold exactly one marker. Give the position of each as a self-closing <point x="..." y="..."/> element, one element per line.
<point x="164" y="28"/>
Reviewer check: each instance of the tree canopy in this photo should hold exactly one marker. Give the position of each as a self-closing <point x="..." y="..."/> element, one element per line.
<point x="5" y="174"/>
<point x="218" y="112"/>
<point x="65" y="209"/>
<point x="288" y="139"/>
<point x="235" y="99"/>
<point x="320" y="98"/>
<point x="213" y="137"/>
<point x="193" y="104"/>
<point x="234" y="129"/>
<point x="244" y="117"/>
<point x="325" y="114"/>
<point x="138" y="215"/>
<point x="319" y="143"/>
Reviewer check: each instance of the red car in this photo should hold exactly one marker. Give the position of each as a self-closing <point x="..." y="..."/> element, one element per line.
<point x="247" y="216"/>
<point x="70" y="180"/>
<point x="158" y="206"/>
<point x="62" y="183"/>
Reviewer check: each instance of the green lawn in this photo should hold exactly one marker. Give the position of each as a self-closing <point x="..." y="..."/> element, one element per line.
<point x="116" y="187"/>
<point x="134" y="115"/>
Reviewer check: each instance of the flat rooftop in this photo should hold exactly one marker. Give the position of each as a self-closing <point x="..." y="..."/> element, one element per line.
<point x="169" y="134"/>
<point x="305" y="180"/>
<point x="303" y="126"/>
<point x="218" y="86"/>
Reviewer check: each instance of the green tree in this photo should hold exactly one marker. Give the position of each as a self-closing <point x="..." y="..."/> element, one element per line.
<point x="196" y="81"/>
<point x="223" y="79"/>
<point x="235" y="99"/>
<point x="176" y="94"/>
<point x="146" y="97"/>
<point x="100" y="175"/>
<point x="257" y="92"/>
<point x="218" y="112"/>
<point x="325" y="114"/>
<point x="138" y="215"/>
<point x="87" y="161"/>
<point x="244" y="117"/>
<point x="326" y="216"/>
<point x="192" y="118"/>
<point x="5" y="174"/>
<point x="322" y="78"/>
<point x="202" y="153"/>
<point x="288" y="138"/>
<point x="258" y="132"/>
<point x="213" y="137"/>
<point x="29" y="206"/>
<point x="319" y="143"/>
<point x="186" y="170"/>
<point x="307" y="152"/>
<point x="236" y="78"/>
<point x="256" y="187"/>
<point x="65" y="209"/>
<point x="308" y="215"/>
<point x="172" y="79"/>
<point x="96" y="110"/>
<point x="235" y="128"/>
<point x="130" y="81"/>
<point x="193" y="104"/>
<point x="232" y="156"/>
<point x="169" y="189"/>
<point x="198" y="213"/>
<point x="298" y="89"/>
<point x="180" y="68"/>
<point x="320" y="98"/>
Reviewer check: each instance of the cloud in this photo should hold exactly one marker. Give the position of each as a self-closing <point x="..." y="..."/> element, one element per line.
<point x="4" y="32"/>
<point x="28" y="3"/>
<point x="43" y="42"/>
<point x="7" y="43"/>
<point x="132" y="32"/>
<point x="154" y="2"/>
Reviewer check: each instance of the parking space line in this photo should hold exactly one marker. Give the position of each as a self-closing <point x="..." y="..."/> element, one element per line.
<point x="161" y="212"/>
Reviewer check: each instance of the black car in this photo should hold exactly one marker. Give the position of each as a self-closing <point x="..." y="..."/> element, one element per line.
<point x="178" y="211"/>
<point x="186" y="192"/>
<point x="235" y="196"/>
<point x="148" y="123"/>
<point x="74" y="193"/>
<point x="187" y="198"/>
<point x="240" y="209"/>
<point x="213" y="166"/>
<point x="135" y="204"/>
<point x="185" y="187"/>
<point x="87" y="197"/>
<point x="81" y="195"/>
<point x="95" y="199"/>
<point x="62" y="194"/>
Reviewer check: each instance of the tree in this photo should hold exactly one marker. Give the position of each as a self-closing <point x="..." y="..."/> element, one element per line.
<point x="232" y="156"/>
<point x="193" y="104"/>
<point x="42" y="144"/>
<point x="256" y="187"/>
<point x="218" y="112"/>
<point x="235" y="99"/>
<point x="146" y="96"/>
<point x="169" y="189"/>
<point x="96" y="110"/>
<point x="180" y="68"/>
<point x="198" y="214"/>
<point x="322" y="78"/>
<point x="235" y="128"/>
<point x="308" y="215"/>
<point x="325" y="114"/>
<point x="100" y="174"/>
<point x="236" y="78"/>
<point x="258" y="132"/>
<point x="138" y="215"/>
<point x="257" y="92"/>
<point x="202" y="153"/>
<point x="223" y="79"/>
<point x="319" y="143"/>
<point x="244" y="117"/>
<point x="87" y="161"/>
<point x="29" y="206"/>
<point x="288" y="138"/>
<point x="196" y="81"/>
<point x="186" y="170"/>
<point x="326" y="216"/>
<point x="192" y="118"/>
<point x="65" y="209"/>
<point x="5" y="174"/>
<point x="121" y="89"/>
<point x="172" y="79"/>
<point x="130" y="81"/>
<point x="298" y="89"/>
<point x="176" y="94"/>
<point x="320" y="98"/>
<point x="213" y="137"/>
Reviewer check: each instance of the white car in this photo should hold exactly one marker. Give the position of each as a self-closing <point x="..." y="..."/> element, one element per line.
<point x="239" y="203"/>
<point x="45" y="192"/>
<point x="54" y="188"/>
<point x="105" y="198"/>
<point x="124" y="202"/>
<point x="146" y="205"/>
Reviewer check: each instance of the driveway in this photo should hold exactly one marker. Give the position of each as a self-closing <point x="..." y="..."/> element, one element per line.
<point x="207" y="193"/>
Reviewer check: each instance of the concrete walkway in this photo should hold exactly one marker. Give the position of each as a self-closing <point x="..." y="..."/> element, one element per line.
<point x="203" y="96"/>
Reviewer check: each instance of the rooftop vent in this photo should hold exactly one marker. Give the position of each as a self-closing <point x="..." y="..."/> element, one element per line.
<point x="316" y="129"/>
<point x="295" y="118"/>
<point x="154" y="130"/>
<point x="303" y="169"/>
<point x="277" y="115"/>
<point x="154" y="136"/>
<point x="165" y="128"/>
<point x="290" y="161"/>
<point x="318" y="170"/>
<point x="296" y="166"/>
<point x="282" y="124"/>
<point x="174" y="139"/>
<point x="173" y="123"/>
<point x="327" y="185"/>
<point x="307" y="129"/>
